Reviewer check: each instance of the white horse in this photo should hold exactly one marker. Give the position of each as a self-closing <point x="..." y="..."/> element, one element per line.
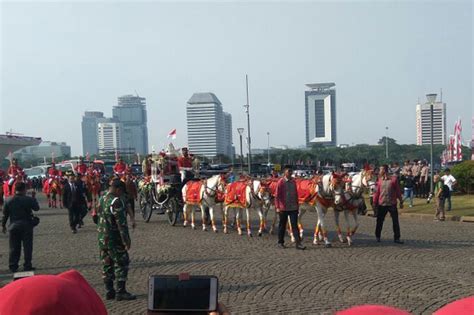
<point x="330" y="191"/>
<point x="202" y="194"/>
<point x="246" y="195"/>
<point x="320" y="193"/>
<point x="267" y="195"/>
<point x="353" y="202"/>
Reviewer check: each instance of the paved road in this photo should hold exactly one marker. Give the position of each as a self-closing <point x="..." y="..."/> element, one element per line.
<point x="434" y="267"/>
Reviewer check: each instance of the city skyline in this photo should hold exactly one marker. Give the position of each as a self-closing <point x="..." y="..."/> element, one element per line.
<point x="382" y="57"/>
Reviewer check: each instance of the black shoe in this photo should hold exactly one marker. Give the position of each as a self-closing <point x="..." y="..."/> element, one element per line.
<point x="29" y="268"/>
<point x="398" y="242"/>
<point x="378" y="239"/>
<point x="13" y="270"/>
<point x="122" y="294"/>
<point x="281" y="246"/>
<point x="74" y="231"/>
<point x="300" y="247"/>
<point x="109" y="290"/>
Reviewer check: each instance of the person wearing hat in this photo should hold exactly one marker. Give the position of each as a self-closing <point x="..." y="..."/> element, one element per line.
<point x="424" y="180"/>
<point x="120" y="167"/>
<point x="81" y="167"/>
<point x="114" y="241"/>
<point x="185" y="165"/>
<point x="14" y="172"/>
<point x="19" y="210"/>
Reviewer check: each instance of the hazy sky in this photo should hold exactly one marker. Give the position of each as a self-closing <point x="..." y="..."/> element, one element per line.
<point x="60" y="59"/>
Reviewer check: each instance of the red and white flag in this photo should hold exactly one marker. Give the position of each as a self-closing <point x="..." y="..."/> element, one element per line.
<point x="458" y="140"/>
<point x="172" y="134"/>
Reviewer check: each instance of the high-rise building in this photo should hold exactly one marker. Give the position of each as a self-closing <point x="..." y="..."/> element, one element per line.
<point x="320" y="114"/>
<point x="109" y="137"/>
<point x="423" y="123"/>
<point x="229" y="151"/>
<point x="131" y="113"/>
<point x="89" y="131"/>
<point x="206" y="125"/>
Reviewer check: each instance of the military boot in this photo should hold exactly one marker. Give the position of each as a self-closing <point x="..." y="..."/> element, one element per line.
<point x="109" y="290"/>
<point x="122" y="294"/>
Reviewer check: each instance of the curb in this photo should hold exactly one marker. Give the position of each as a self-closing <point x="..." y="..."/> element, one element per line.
<point x="430" y="217"/>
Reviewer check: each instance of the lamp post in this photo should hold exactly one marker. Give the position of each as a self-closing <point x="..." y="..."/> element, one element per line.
<point x="247" y="111"/>
<point x="268" y="149"/>
<point x="386" y="143"/>
<point x="431" y="99"/>
<point x="241" y="132"/>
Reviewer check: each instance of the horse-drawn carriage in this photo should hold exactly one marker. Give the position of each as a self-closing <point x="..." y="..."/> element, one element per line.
<point x="161" y="192"/>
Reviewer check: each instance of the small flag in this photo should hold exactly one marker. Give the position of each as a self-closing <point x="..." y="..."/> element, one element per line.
<point x="172" y="134"/>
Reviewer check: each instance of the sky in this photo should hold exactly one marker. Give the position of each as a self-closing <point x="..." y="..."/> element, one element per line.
<point x="61" y="59"/>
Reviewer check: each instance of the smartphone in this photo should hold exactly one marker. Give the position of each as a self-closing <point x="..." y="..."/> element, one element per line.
<point x="169" y="293"/>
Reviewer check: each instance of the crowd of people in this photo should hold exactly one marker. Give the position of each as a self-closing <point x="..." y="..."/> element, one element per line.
<point x="393" y="186"/>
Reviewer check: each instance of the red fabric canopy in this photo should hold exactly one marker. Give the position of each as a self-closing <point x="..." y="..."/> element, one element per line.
<point x="461" y="307"/>
<point x="66" y="293"/>
<point x="372" y="310"/>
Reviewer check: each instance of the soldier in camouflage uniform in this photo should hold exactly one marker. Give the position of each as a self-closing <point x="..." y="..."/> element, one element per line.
<point x="114" y="241"/>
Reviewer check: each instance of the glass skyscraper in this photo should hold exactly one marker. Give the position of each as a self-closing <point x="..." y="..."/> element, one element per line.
<point x="131" y="113"/>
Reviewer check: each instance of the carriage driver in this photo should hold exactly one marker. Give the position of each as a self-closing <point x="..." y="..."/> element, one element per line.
<point x="185" y="164"/>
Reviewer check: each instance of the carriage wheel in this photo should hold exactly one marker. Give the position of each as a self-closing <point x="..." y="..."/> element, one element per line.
<point x="173" y="211"/>
<point x="145" y="206"/>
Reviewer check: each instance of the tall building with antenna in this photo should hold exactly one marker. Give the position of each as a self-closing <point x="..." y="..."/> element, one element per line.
<point x="423" y="122"/>
<point x="320" y="114"/>
<point x="131" y="113"/>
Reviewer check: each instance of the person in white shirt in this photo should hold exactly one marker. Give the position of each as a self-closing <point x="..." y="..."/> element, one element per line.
<point x="449" y="181"/>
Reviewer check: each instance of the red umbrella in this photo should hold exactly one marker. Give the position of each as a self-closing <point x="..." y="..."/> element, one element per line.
<point x="372" y="310"/>
<point x="460" y="307"/>
<point x="66" y="293"/>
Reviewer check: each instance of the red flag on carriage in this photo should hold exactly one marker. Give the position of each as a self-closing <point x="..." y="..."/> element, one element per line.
<point x="172" y="134"/>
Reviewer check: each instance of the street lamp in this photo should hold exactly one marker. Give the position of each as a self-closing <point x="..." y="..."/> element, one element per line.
<point x="247" y="111"/>
<point x="386" y="143"/>
<point x="241" y="132"/>
<point x="431" y="99"/>
<point x="268" y="149"/>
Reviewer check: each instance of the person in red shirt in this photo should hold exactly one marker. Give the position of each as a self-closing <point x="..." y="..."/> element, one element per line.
<point x="286" y="204"/>
<point x="81" y="167"/>
<point x="14" y="171"/>
<point x="52" y="172"/>
<point x="385" y="200"/>
<point x="185" y="163"/>
<point x="120" y="167"/>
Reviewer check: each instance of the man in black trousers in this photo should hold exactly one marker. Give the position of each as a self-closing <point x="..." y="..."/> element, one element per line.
<point x="286" y="202"/>
<point x="19" y="210"/>
<point x="74" y="199"/>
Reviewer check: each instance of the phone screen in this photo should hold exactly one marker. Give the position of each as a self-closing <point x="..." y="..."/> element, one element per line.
<point x="194" y="294"/>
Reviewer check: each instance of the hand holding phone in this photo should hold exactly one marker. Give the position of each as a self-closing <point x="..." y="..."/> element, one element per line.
<point x="178" y="294"/>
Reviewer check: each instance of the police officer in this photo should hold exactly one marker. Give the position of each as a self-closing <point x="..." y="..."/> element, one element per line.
<point x="19" y="210"/>
<point x="114" y="241"/>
